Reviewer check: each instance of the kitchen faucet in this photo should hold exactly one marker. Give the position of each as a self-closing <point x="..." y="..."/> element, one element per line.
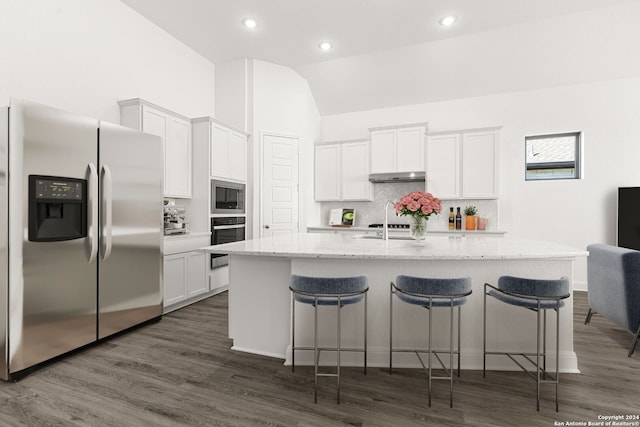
<point x="385" y="226"/>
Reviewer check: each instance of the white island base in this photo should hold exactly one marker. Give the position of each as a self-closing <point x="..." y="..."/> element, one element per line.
<point x="260" y="300"/>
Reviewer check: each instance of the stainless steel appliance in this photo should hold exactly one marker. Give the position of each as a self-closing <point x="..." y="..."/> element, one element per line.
<point x="227" y="197"/>
<point x="225" y="230"/>
<point x="80" y="232"/>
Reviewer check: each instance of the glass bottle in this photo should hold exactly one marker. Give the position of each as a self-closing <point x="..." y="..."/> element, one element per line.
<point x="458" y="219"/>
<point x="452" y="219"/>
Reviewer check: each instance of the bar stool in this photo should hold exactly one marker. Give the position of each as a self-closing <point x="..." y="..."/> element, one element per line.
<point x="431" y="293"/>
<point x="539" y="296"/>
<point x="330" y="291"/>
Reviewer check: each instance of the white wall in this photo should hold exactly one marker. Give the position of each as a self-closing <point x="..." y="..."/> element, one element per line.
<point x="283" y="104"/>
<point x="232" y="93"/>
<point x="85" y="55"/>
<point x="574" y="212"/>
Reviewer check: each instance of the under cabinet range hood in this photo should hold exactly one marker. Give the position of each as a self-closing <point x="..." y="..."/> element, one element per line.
<point x="397" y="177"/>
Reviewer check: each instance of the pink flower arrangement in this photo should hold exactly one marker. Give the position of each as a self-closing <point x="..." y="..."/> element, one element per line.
<point x="418" y="204"/>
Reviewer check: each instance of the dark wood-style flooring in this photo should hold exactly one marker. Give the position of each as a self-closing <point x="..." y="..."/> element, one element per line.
<point x="181" y="372"/>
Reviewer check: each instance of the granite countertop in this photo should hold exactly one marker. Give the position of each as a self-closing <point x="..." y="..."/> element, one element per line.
<point x="434" y="247"/>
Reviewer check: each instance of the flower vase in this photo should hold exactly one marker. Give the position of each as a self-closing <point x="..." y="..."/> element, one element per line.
<point x="418" y="228"/>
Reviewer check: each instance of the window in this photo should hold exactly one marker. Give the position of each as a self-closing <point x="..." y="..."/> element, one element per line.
<point x="555" y="156"/>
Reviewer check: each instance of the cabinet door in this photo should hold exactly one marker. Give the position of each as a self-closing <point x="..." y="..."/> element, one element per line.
<point x="355" y="171"/>
<point x="177" y="162"/>
<point x="383" y="151"/>
<point x="410" y="149"/>
<point x="175" y="279"/>
<point x="327" y="172"/>
<point x="237" y="156"/>
<point x="219" y="151"/>
<point x="479" y="165"/>
<point x="443" y="166"/>
<point x="196" y="273"/>
<point x="154" y="122"/>
<point x="176" y="139"/>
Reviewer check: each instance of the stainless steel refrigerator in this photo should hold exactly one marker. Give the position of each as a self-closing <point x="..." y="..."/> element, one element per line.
<point x="80" y="232"/>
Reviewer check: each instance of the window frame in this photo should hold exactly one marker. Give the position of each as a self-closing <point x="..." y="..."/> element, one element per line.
<point x="576" y="164"/>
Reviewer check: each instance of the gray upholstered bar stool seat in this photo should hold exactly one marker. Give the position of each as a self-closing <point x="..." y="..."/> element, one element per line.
<point x="431" y="293"/>
<point x="327" y="291"/>
<point x="539" y="296"/>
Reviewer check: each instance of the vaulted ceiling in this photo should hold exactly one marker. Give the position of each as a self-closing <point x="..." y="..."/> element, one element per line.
<point x="376" y="43"/>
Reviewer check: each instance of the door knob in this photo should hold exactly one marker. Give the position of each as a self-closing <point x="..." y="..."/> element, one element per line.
<point x="266" y="226"/>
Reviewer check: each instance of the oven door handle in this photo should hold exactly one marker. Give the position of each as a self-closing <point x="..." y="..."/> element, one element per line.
<point x="227" y="227"/>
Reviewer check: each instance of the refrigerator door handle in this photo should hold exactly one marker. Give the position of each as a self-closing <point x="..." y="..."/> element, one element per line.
<point x="93" y="212"/>
<point x="107" y="212"/>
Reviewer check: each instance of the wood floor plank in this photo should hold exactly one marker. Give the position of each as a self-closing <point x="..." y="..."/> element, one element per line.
<point x="181" y="372"/>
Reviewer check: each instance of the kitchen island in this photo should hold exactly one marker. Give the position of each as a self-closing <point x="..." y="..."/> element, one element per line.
<point x="260" y="300"/>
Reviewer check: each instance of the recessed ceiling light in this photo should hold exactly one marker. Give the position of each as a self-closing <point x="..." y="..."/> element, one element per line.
<point x="448" y="20"/>
<point x="325" y="46"/>
<point x="250" y="23"/>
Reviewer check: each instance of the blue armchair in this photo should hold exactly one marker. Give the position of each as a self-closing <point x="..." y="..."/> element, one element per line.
<point x="613" y="280"/>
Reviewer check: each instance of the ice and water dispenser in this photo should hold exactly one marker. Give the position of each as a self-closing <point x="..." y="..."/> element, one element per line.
<point x="57" y="208"/>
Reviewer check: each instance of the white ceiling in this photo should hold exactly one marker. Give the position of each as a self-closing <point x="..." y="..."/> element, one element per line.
<point x="289" y="30"/>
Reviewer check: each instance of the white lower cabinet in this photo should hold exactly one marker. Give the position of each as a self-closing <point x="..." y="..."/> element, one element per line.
<point x="175" y="279"/>
<point x="196" y="273"/>
<point x="185" y="276"/>
<point x="185" y="270"/>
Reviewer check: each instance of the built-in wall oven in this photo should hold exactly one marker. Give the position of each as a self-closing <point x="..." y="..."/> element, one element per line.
<point x="227" y="197"/>
<point x="225" y="229"/>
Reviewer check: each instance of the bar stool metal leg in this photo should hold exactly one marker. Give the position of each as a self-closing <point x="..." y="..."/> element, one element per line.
<point x="338" y="351"/>
<point x="484" y="334"/>
<point x="544" y="345"/>
<point x="538" y="357"/>
<point x="451" y="356"/>
<point x="293" y="333"/>
<point x="390" y="328"/>
<point x="365" y="334"/>
<point x="557" y="378"/>
<point x="430" y="323"/>
<point x="458" y="352"/>
<point x="316" y="356"/>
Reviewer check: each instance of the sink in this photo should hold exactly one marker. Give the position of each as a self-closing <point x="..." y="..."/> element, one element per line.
<point x="391" y="237"/>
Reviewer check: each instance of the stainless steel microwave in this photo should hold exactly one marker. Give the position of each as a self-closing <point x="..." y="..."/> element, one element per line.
<point x="227" y="197"/>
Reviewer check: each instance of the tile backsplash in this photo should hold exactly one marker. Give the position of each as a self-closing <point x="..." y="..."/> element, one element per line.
<point x="373" y="212"/>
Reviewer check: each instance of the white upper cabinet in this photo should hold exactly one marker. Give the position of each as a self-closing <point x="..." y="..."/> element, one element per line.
<point x="175" y="131"/>
<point x="443" y="167"/>
<point x="355" y="171"/>
<point x="410" y="149"/>
<point x="398" y="149"/>
<point x="463" y="164"/>
<point x="383" y="151"/>
<point x="227" y="149"/>
<point x="219" y="151"/>
<point x="342" y="172"/>
<point x="480" y="164"/>
<point x="327" y="177"/>
<point x="237" y="156"/>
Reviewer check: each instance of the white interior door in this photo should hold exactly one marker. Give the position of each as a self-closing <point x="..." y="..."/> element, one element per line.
<point x="279" y="185"/>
